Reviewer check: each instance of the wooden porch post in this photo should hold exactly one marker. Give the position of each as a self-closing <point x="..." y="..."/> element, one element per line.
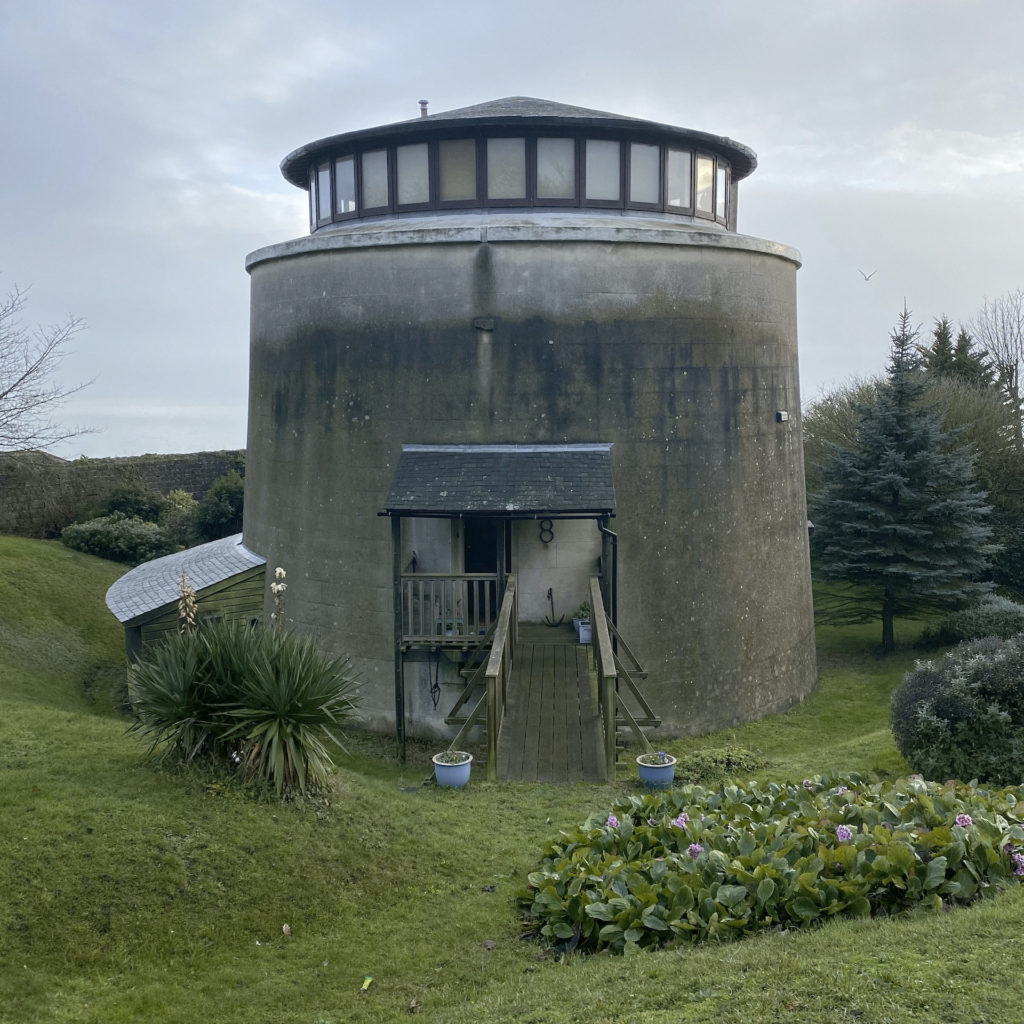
<point x="396" y="567"/>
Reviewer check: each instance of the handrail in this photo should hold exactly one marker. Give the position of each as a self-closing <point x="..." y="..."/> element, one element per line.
<point x="604" y="661"/>
<point x="496" y="675"/>
<point x="609" y="669"/>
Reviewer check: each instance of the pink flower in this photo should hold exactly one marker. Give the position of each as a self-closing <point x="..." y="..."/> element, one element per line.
<point x="682" y="821"/>
<point x="844" y="832"/>
<point x="613" y="822"/>
<point x="695" y="850"/>
<point x="964" y="820"/>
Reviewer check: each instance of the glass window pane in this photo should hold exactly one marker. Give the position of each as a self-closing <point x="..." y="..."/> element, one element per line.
<point x="413" y="174"/>
<point x="457" y="159"/>
<point x="556" y="169"/>
<point x="323" y="192"/>
<point x="705" y="184"/>
<point x="680" y="162"/>
<point x="374" y="165"/>
<point x="720" y="191"/>
<point x="644" y="173"/>
<point x="312" y="196"/>
<point x="603" y="180"/>
<point x="345" y="185"/>
<point x="506" y="168"/>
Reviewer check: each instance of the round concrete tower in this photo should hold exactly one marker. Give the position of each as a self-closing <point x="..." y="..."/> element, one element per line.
<point x="524" y="340"/>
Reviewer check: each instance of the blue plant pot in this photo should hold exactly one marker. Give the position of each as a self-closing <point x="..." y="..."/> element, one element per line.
<point x="452" y="776"/>
<point x="657" y="776"/>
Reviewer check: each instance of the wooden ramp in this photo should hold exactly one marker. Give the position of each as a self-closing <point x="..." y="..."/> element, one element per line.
<point x="551" y="731"/>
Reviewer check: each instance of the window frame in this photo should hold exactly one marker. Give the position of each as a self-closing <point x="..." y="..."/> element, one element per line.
<point x="722" y="192"/>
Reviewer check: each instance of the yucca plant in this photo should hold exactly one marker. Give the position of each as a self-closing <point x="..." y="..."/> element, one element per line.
<point x="267" y="699"/>
<point x="287" y="704"/>
<point x="171" y="697"/>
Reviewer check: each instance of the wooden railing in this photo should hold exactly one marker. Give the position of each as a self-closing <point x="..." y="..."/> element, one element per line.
<point x="490" y="708"/>
<point x="609" y="672"/>
<point x="446" y="608"/>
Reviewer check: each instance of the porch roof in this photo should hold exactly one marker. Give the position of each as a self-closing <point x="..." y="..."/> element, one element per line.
<point x="518" y="481"/>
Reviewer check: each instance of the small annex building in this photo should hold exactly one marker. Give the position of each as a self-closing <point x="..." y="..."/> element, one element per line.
<point x="227" y="577"/>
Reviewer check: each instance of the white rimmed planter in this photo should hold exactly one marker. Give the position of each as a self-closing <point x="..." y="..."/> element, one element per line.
<point x="657" y="776"/>
<point x="452" y="776"/>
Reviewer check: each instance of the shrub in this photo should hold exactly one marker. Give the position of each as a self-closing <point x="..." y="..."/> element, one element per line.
<point x="712" y="764"/>
<point x="138" y="502"/>
<point x="993" y="615"/>
<point x="694" y="863"/>
<point x="264" y="700"/>
<point x="219" y="513"/>
<point x="962" y="716"/>
<point x="178" y="516"/>
<point x="118" y="537"/>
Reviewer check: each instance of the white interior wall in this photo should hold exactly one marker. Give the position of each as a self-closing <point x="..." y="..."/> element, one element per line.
<point x="565" y="565"/>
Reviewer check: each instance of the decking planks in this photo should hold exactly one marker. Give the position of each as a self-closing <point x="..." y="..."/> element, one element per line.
<point x="551" y="728"/>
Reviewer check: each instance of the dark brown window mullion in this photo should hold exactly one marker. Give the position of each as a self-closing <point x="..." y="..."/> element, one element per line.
<point x="531" y="170"/>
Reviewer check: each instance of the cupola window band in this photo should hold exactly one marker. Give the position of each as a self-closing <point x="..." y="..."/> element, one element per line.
<point x="520" y="171"/>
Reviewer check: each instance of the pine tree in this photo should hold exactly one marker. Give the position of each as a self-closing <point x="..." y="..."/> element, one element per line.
<point x="969" y="364"/>
<point x="937" y="357"/>
<point x="901" y="527"/>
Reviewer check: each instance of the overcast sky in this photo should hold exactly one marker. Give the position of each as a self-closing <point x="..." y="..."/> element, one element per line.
<point x="141" y="144"/>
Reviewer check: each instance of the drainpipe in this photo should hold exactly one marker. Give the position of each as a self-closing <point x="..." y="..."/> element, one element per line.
<point x="612" y="570"/>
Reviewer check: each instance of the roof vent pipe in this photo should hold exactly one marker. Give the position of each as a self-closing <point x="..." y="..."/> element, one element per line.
<point x="423" y="108"/>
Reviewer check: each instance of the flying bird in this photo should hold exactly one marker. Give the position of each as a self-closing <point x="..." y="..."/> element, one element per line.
<point x="867" y="277"/>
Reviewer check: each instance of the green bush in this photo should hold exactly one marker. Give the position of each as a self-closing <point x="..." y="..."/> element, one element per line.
<point x="962" y="716"/>
<point x="695" y="863"/>
<point x="712" y="764"/>
<point x="219" y="513"/>
<point x="263" y="700"/>
<point x="118" y="537"/>
<point x="178" y="516"/>
<point x="139" y="502"/>
<point x="993" y="615"/>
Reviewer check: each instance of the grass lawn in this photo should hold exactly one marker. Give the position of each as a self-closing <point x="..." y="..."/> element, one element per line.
<point x="135" y="894"/>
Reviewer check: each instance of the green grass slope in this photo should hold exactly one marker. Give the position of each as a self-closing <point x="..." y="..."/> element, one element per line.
<point x="135" y="894"/>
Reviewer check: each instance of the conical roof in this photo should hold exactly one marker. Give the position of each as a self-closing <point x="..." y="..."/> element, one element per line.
<point x="521" y="112"/>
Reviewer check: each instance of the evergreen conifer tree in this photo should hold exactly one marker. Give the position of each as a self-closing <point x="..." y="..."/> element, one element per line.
<point x="969" y="364"/>
<point x="901" y="527"/>
<point x="938" y="356"/>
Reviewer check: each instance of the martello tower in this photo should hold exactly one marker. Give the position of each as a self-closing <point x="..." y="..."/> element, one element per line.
<point x="524" y="339"/>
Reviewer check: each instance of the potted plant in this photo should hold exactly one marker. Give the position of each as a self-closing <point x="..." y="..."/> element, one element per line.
<point x="581" y="621"/>
<point x="657" y="769"/>
<point x="451" y="768"/>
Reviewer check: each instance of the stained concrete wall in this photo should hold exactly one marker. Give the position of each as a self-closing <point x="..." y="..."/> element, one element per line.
<point x="676" y="343"/>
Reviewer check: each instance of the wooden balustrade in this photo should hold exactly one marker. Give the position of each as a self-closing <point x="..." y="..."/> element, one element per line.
<point x="448" y="608"/>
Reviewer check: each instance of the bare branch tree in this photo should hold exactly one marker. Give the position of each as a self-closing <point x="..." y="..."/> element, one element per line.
<point x="999" y="329"/>
<point x="29" y="395"/>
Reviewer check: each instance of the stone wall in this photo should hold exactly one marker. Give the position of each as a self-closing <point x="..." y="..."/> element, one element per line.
<point x="40" y="493"/>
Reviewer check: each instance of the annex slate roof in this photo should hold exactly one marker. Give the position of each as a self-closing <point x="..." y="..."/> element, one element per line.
<point x="155" y="583"/>
<point x="519" y="112"/>
<point x="515" y="480"/>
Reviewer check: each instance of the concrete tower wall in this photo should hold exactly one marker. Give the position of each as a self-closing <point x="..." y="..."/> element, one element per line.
<point x="677" y="344"/>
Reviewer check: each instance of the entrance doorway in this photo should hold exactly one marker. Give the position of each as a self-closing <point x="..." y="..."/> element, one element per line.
<point x="487" y="548"/>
